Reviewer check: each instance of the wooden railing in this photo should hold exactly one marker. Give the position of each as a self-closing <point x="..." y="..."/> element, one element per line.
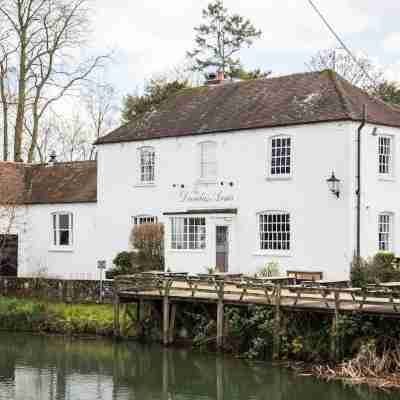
<point x="257" y="290"/>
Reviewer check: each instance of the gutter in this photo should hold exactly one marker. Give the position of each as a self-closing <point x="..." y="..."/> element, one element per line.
<point x="358" y="190"/>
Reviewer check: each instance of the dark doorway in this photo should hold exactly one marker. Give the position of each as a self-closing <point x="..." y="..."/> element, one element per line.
<point x="222" y="247"/>
<point x="8" y="255"/>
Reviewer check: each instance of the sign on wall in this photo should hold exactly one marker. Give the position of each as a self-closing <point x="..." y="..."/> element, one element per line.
<point x="205" y="196"/>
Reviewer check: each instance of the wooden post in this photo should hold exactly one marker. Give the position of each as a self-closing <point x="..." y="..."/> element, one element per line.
<point x="166" y="315"/>
<point x="172" y="324"/>
<point x="220" y="378"/>
<point x="220" y="315"/>
<point x="117" y="332"/>
<point x="277" y="325"/>
<point x="334" y="335"/>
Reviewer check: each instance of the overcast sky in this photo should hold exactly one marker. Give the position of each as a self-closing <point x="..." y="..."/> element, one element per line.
<point x="151" y="36"/>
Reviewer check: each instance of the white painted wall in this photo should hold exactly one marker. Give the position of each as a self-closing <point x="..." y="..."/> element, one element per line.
<point x="37" y="253"/>
<point x="321" y="223"/>
<point x="378" y="194"/>
<point x="323" y="227"/>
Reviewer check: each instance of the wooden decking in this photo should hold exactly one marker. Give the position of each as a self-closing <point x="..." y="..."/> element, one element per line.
<point x="172" y="289"/>
<point x="240" y="292"/>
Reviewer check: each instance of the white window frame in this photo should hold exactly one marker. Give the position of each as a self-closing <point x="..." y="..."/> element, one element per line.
<point x="283" y="245"/>
<point x="391" y="157"/>
<point x="56" y="230"/>
<point x="144" y="177"/>
<point x="204" y="163"/>
<point x="186" y="235"/>
<point x="386" y="232"/>
<point x="279" y="176"/>
<point x="144" y="219"/>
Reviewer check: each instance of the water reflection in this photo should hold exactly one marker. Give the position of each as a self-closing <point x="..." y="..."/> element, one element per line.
<point x="52" y="368"/>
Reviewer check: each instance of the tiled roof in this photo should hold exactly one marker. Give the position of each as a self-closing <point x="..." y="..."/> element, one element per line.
<point x="69" y="182"/>
<point x="295" y="99"/>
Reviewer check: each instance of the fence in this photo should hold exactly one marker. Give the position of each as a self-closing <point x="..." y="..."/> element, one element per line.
<point x="71" y="291"/>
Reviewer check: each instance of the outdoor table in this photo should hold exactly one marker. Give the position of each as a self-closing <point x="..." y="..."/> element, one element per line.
<point x="333" y="283"/>
<point x="279" y="279"/>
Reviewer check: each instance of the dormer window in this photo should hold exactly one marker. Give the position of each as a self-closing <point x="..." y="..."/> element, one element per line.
<point x="147" y="164"/>
<point x="208" y="161"/>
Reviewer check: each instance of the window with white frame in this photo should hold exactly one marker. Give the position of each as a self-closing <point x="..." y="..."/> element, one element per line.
<point x="144" y="219"/>
<point x="385" y="232"/>
<point x="385" y="155"/>
<point x="188" y="233"/>
<point x="147" y="164"/>
<point x="274" y="230"/>
<point x="208" y="160"/>
<point x="280" y="156"/>
<point x="62" y="229"/>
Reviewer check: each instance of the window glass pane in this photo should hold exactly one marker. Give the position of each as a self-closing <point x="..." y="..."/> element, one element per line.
<point x="280" y="156"/>
<point x="188" y="233"/>
<point x="208" y="160"/>
<point x="64" y="221"/>
<point x="385" y="155"/>
<point x="147" y="164"/>
<point x="274" y="231"/>
<point x="64" y="238"/>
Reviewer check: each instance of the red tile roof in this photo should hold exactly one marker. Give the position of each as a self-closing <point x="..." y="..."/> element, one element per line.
<point x="295" y="99"/>
<point x="64" y="182"/>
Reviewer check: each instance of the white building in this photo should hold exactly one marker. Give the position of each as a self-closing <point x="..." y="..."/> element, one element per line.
<point x="237" y="172"/>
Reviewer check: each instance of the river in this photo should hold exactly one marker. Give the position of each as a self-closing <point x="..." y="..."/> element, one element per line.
<point x="57" y="368"/>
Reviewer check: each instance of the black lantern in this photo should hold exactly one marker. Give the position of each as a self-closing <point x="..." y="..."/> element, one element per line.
<point x="334" y="185"/>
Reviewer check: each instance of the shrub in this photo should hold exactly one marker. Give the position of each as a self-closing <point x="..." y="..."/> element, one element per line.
<point x="380" y="268"/>
<point x="147" y="240"/>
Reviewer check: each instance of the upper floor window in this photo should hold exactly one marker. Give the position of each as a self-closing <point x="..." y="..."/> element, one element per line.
<point x="144" y="219"/>
<point x="147" y="165"/>
<point x="62" y="229"/>
<point x="385" y="154"/>
<point x="274" y="230"/>
<point x="188" y="233"/>
<point x="208" y="160"/>
<point x="385" y="232"/>
<point x="281" y="156"/>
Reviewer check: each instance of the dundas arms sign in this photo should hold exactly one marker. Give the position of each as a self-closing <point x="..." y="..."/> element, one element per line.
<point x="202" y="196"/>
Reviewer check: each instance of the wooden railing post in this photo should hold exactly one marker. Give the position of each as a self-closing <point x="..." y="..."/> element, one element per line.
<point x="277" y="324"/>
<point x="117" y="329"/>
<point x="334" y="331"/>
<point x="166" y="285"/>
<point x="220" y="314"/>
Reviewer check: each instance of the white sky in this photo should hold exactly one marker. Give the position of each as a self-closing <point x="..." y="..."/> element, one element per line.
<point x="150" y="36"/>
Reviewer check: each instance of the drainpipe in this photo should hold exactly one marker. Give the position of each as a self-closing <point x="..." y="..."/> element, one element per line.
<point x="358" y="191"/>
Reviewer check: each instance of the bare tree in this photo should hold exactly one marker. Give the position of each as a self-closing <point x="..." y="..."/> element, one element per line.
<point x="73" y="138"/>
<point x="6" y="52"/>
<point x="100" y="102"/>
<point x="49" y="34"/>
<point x="363" y="74"/>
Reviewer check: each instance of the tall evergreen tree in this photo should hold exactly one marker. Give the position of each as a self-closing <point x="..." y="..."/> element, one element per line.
<point x="220" y="38"/>
<point x="155" y="92"/>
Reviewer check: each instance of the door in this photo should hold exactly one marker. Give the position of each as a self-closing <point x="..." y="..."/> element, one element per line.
<point x="222" y="248"/>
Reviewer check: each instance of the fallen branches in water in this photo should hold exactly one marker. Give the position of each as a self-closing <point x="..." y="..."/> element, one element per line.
<point x="368" y="367"/>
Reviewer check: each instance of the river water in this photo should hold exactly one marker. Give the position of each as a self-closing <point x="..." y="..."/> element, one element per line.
<point x="56" y="368"/>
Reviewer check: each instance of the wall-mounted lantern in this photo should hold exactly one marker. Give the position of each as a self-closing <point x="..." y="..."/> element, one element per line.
<point x="334" y="185"/>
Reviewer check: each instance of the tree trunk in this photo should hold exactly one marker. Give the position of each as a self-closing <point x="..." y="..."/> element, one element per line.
<point x="19" y="122"/>
<point x="35" y="134"/>
<point x="5" y="115"/>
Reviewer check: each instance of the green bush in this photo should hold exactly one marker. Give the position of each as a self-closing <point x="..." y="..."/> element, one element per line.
<point x="380" y="268"/>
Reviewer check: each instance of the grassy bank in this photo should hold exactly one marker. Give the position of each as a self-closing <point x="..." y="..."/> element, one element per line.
<point x="71" y="319"/>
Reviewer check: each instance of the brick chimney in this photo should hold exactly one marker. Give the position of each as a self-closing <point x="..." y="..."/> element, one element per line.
<point x="215" y="78"/>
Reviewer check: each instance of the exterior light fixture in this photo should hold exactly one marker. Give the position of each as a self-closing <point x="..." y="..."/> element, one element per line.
<point x="334" y="185"/>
